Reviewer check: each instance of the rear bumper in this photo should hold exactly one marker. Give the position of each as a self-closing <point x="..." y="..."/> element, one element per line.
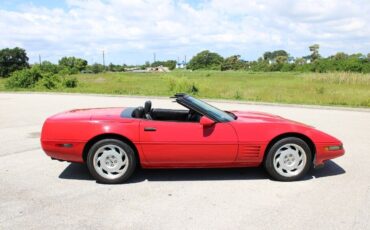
<point x="323" y="153"/>
<point x="64" y="150"/>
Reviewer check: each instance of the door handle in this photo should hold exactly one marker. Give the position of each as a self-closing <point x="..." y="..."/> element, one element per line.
<point x="150" y="129"/>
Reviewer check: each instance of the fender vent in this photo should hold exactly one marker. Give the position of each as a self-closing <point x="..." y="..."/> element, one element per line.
<point x="249" y="152"/>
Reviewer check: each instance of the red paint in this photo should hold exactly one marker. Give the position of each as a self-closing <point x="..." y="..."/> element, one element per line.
<point x="238" y="143"/>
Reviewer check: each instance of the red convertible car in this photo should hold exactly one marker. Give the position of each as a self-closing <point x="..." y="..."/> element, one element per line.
<point x="114" y="141"/>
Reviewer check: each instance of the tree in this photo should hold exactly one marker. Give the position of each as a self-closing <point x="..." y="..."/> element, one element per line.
<point x="315" y="52"/>
<point x="12" y="60"/>
<point x="300" y="61"/>
<point x="233" y="63"/>
<point x="49" y="67"/>
<point x="368" y="56"/>
<point x="267" y="56"/>
<point x="279" y="53"/>
<point x="259" y="65"/>
<point x="205" y="60"/>
<point x="97" y="68"/>
<point x="281" y="59"/>
<point x="272" y="56"/>
<point x="115" y="68"/>
<point x="340" y="56"/>
<point x="74" y="64"/>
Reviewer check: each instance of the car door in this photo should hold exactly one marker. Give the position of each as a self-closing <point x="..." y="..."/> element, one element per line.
<point x="187" y="143"/>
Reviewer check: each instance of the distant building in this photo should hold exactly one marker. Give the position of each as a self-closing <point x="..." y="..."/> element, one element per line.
<point x="181" y="65"/>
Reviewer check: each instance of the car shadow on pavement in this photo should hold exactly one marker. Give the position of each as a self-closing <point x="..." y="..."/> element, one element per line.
<point x="80" y="172"/>
<point x="330" y="169"/>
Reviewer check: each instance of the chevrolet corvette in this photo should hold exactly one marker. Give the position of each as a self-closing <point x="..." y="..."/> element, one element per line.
<point x="113" y="142"/>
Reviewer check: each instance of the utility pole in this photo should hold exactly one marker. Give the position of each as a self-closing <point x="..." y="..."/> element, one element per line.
<point x="154" y="57"/>
<point x="40" y="59"/>
<point x="185" y="60"/>
<point x="103" y="60"/>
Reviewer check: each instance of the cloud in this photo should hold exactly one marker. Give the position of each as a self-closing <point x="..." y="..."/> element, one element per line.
<point x="131" y="31"/>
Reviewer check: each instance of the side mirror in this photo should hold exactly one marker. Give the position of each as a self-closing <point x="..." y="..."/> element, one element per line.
<point x="206" y="122"/>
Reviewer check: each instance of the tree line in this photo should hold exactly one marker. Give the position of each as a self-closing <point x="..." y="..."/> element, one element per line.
<point x="14" y="63"/>
<point x="16" y="59"/>
<point x="280" y="60"/>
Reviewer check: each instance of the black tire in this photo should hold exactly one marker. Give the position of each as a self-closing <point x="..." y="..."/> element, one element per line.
<point x="131" y="157"/>
<point x="274" y="152"/>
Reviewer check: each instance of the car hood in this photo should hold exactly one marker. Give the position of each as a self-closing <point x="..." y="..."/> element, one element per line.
<point x="89" y="114"/>
<point x="260" y="117"/>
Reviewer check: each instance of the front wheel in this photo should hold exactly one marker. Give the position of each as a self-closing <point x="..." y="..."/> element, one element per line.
<point x="288" y="159"/>
<point x="111" y="161"/>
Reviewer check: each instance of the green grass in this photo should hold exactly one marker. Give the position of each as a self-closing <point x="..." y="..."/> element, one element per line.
<point x="342" y="89"/>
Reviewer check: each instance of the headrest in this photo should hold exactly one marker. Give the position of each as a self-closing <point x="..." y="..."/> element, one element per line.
<point x="147" y="106"/>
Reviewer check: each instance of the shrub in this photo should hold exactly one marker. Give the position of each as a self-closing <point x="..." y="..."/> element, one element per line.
<point x="303" y="68"/>
<point x="70" y="82"/>
<point x="366" y="67"/>
<point x="353" y="65"/>
<point x="287" y="67"/>
<point x="275" y="67"/>
<point x="48" y="67"/>
<point x="259" y="66"/>
<point x="50" y="81"/>
<point x="64" y="71"/>
<point x="25" y="78"/>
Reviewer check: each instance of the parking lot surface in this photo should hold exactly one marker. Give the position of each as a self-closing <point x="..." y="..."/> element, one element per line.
<point x="38" y="193"/>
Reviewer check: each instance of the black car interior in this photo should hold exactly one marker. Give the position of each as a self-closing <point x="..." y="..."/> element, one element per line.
<point x="147" y="112"/>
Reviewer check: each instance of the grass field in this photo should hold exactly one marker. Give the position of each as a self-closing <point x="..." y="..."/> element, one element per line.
<point x="342" y="89"/>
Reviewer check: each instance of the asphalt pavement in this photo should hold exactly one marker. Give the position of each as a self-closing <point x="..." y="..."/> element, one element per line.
<point x="38" y="193"/>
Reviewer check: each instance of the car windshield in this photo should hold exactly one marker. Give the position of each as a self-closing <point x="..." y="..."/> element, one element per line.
<point x="211" y="110"/>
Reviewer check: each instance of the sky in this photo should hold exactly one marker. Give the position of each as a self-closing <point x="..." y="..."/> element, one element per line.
<point x="131" y="31"/>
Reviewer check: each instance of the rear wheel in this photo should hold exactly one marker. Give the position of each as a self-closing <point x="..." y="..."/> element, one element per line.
<point x="288" y="159"/>
<point x="111" y="161"/>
